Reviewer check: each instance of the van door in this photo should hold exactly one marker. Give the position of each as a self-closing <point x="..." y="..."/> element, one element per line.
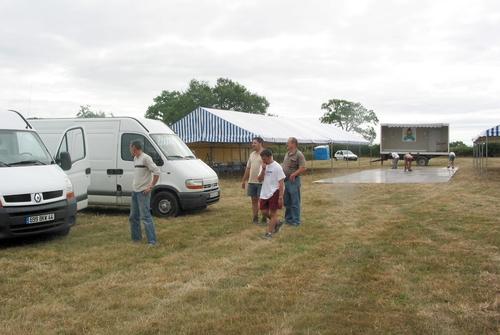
<point x="74" y="142"/>
<point x="104" y="149"/>
<point x="126" y="163"/>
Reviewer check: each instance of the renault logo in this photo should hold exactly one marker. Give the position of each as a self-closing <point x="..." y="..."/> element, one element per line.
<point x="37" y="197"/>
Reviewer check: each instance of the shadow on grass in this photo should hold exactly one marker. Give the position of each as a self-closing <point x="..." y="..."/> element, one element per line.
<point x="41" y="238"/>
<point x="126" y="211"/>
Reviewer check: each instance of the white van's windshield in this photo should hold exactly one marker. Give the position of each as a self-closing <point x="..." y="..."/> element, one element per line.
<point x="172" y="146"/>
<point x="18" y="147"/>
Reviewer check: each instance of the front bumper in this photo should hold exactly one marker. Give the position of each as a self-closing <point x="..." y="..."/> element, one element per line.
<point x="12" y="219"/>
<point x="196" y="200"/>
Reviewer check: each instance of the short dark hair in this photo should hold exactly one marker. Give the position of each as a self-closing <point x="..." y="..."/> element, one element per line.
<point x="258" y="139"/>
<point x="266" y="153"/>
<point x="136" y="144"/>
<point x="294" y="140"/>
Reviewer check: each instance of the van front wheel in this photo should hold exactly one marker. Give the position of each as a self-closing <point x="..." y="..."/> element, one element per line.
<point x="165" y="204"/>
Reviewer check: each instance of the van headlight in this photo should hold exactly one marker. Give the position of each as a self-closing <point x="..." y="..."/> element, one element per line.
<point x="70" y="194"/>
<point x="194" y="184"/>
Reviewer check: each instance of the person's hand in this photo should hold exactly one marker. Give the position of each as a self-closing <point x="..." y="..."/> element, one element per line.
<point x="243" y="185"/>
<point x="147" y="190"/>
<point x="280" y="201"/>
<point x="292" y="178"/>
<point x="263" y="166"/>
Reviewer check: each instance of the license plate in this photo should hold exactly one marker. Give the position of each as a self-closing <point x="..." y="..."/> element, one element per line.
<point x="39" y="218"/>
<point x="214" y="194"/>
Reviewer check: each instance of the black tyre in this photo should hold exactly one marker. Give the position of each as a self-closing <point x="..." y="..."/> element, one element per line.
<point x="63" y="232"/>
<point x="165" y="204"/>
<point x="422" y="161"/>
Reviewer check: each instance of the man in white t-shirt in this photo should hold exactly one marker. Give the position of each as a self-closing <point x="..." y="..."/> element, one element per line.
<point x="251" y="178"/>
<point x="395" y="159"/>
<point x="271" y="193"/>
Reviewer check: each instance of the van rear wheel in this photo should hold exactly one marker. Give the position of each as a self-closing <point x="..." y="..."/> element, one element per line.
<point x="165" y="204"/>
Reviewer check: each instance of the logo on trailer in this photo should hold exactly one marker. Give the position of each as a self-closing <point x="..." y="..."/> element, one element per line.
<point x="37" y="197"/>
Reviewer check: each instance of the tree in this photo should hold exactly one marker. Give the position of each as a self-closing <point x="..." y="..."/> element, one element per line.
<point x="350" y="116"/>
<point x="86" y="112"/>
<point x="171" y="106"/>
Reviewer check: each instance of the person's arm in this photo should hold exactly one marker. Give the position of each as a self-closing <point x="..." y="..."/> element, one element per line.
<point x="246" y="176"/>
<point x="281" y="192"/>
<point x="156" y="174"/>
<point x="262" y="172"/>
<point x="302" y="168"/>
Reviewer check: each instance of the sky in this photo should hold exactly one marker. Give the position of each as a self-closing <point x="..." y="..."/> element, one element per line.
<point x="409" y="61"/>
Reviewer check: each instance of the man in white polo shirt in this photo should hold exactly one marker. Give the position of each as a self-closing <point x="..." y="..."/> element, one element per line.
<point x="146" y="175"/>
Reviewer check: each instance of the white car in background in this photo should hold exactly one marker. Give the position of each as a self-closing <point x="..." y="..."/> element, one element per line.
<point x="346" y="155"/>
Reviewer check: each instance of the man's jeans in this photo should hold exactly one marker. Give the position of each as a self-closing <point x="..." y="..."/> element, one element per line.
<point x="140" y="211"/>
<point x="292" y="201"/>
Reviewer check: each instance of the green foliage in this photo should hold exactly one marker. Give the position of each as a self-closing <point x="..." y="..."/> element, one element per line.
<point x="460" y="148"/>
<point x="350" y="116"/>
<point x="171" y="106"/>
<point x="86" y="112"/>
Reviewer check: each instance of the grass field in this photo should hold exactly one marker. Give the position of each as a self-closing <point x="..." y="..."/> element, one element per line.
<point x="369" y="259"/>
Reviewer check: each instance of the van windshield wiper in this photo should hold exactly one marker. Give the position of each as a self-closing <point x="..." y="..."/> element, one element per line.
<point x="31" y="161"/>
<point x="4" y="164"/>
<point x="190" y="157"/>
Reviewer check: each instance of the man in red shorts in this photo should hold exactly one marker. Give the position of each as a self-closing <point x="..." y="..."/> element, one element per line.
<point x="271" y="193"/>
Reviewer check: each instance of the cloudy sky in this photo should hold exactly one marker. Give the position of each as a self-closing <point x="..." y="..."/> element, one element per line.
<point x="410" y="61"/>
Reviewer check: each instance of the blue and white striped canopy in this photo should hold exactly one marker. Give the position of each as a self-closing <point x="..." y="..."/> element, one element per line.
<point x="490" y="132"/>
<point x="203" y="126"/>
<point x="495" y="131"/>
<point x="223" y="126"/>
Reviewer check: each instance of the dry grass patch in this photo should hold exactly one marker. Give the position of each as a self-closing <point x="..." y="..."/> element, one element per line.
<point x="375" y="259"/>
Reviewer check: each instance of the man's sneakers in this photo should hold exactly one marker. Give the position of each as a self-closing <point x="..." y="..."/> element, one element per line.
<point x="267" y="236"/>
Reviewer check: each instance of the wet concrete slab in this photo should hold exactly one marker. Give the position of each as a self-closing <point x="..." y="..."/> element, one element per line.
<point x="419" y="175"/>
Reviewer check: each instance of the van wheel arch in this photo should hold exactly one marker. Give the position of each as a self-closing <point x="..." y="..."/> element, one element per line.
<point x="165" y="203"/>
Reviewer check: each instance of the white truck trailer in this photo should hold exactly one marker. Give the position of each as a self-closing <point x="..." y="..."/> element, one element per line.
<point x="423" y="140"/>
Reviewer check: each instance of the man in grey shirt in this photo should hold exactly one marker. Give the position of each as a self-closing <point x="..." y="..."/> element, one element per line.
<point x="146" y="175"/>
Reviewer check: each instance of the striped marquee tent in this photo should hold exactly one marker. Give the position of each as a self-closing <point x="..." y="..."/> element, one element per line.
<point x="480" y="147"/>
<point x="223" y="136"/>
<point x="222" y="126"/>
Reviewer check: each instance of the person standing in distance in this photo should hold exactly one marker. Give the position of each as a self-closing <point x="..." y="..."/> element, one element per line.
<point x="451" y="160"/>
<point x="294" y="164"/>
<point x="146" y="175"/>
<point x="251" y="178"/>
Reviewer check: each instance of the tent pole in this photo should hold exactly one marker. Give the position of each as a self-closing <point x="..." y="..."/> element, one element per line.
<point x="312" y="160"/>
<point x="370" y="147"/>
<point x="331" y="156"/>
<point x="486" y="163"/>
<point x="359" y="155"/>
<point x="347" y="161"/>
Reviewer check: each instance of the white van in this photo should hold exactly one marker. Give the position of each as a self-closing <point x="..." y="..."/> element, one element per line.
<point x="36" y="196"/>
<point x="185" y="182"/>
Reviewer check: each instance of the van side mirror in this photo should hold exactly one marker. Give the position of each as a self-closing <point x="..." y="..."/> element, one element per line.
<point x="157" y="160"/>
<point x="64" y="161"/>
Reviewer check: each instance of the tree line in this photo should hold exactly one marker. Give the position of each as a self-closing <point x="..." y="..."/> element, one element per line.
<point x="171" y="106"/>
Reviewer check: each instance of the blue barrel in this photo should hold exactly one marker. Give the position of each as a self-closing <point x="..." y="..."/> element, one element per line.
<point x="322" y="153"/>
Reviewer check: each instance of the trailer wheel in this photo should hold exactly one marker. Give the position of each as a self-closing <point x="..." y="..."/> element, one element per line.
<point x="422" y="161"/>
<point x="165" y="204"/>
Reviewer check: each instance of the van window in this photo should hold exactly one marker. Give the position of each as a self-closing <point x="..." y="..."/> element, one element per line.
<point x="73" y="142"/>
<point x="147" y="147"/>
<point x="22" y="148"/>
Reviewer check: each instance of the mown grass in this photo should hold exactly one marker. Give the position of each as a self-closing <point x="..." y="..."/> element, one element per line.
<point x="369" y="259"/>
